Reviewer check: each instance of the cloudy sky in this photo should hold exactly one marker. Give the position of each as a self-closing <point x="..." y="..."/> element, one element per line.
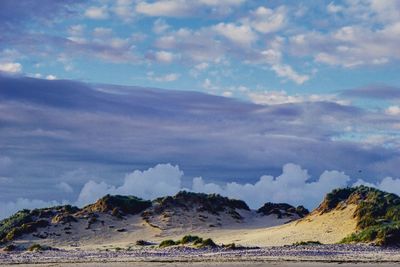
<point x="251" y="99"/>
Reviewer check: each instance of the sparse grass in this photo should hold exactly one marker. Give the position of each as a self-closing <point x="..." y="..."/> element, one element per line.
<point x="167" y="243"/>
<point x="189" y="239"/>
<point x="25" y="228"/>
<point x="15" y="220"/>
<point x="307" y="243"/>
<point x="37" y="248"/>
<point x="377" y="214"/>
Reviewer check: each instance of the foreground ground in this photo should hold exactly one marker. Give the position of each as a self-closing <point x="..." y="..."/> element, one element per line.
<point x="213" y="264"/>
<point x="179" y="256"/>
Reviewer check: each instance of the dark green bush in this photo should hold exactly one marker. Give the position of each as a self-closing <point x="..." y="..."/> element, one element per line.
<point x="38" y="247"/>
<point x="307" y="243"/>
<point x="167" y="243"/>
<point x="190" y="239"/>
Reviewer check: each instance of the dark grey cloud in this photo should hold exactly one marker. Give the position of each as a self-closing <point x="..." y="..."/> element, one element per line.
<point x="65" y="131"/>
<point x="383" y="92"/>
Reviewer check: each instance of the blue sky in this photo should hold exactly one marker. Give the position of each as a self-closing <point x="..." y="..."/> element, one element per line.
<point x="217" y="47"/>
<point x="305" y="91"/>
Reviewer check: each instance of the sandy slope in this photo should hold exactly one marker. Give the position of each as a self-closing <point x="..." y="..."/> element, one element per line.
<point x="253" y="230"/>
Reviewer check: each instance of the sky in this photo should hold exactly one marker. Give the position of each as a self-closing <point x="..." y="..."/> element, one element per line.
<point x="250" y="99"/>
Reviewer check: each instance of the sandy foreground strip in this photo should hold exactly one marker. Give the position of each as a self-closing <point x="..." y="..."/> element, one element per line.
<point x="181" y="256"/>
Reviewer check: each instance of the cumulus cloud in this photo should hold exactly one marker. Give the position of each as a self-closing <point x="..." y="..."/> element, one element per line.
<point x="161" y="180"/>
<point x="286" y="71"/>
<point x="65" y="187"/>
<point x="293" y="186"/>
<point x="160" y="26"/>
<point x="94" y="12"/>
<point x="238" y="34"/>
<point x="164" y="56"/>
<point x="265" y="20"/>
<point x="183" y="8"/>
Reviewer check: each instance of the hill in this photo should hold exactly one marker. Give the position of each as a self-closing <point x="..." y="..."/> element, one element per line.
<point x="348" y="215"/>
<point x="123" y="220"/>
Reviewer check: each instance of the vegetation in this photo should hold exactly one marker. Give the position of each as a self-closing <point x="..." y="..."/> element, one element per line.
<point x="168" y="243"/>
<point x="119" y="204"/>
<point x="15" y="220"/>
<point x="212" y="203"/>
<point x="37" y="247"/>
<point x="282" y="210"/>
<point x="377" y="214"/>
<point x="26" y="221"/>
<point x="307" y="243"/>
<point x="189" y="239"/>
<point x="26" y="228"/>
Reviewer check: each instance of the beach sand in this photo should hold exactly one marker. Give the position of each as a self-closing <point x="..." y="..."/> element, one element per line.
<point x="210" y="264"/>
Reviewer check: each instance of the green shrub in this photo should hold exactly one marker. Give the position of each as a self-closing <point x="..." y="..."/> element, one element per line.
<point x="167" y="243"/>
<point x="26" y="228"/>
<point x="207" y="243"/>
<point x="307" y="243"/>
<point x="15" y="220"/>
<point x="37" y="247"/>
<point x="190" y="239"/>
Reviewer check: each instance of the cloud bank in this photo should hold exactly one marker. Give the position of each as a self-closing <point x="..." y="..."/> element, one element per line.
<point x="294" y="185"/>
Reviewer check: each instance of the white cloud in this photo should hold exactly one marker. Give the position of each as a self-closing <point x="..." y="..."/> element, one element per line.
<point x="286" y="71"/>
<point x="266" y="20"/>
<point x="350" y="46"/>
<point x="51" y="77"/>
<point x="332" y="8"/>
<point x="227" y="94"/>
<point x="97" y="12"/>
<point x="160" y="26"/>
<point x="101" y="32"/>
<point x="239" y="34"/>
<point x="170" y="77"/>
<point x="293" y="186"/>
<point x="393" y="110"/>
<point x="209" y="85"/>
<point x="282" y="97"/>
<point x="182" y="8"/>
<point x="161" y="180"/>
<point x="164" y="56"/>
<point x="124" y="9"/>
<point x="202" y="66"/>
<point x="169" y="8"/>
<point x="10" y="67"/>
<point x="65" y="187"/>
